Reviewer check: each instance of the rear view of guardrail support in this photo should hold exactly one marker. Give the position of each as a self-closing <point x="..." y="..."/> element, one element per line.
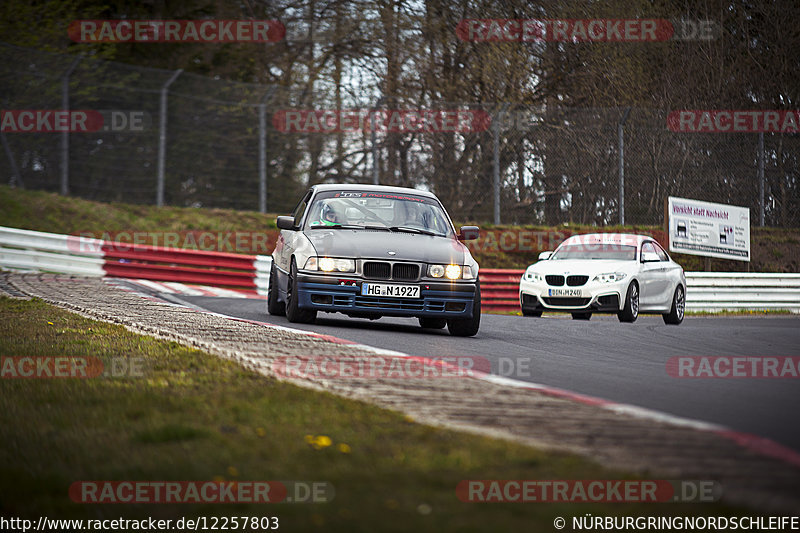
<point x="65" y="133"/>
<point x="162" y="137"/>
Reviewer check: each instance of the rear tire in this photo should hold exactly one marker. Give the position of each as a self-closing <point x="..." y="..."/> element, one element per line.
<point x="631" y="310"/>
<point x="432" y="322"/>
<point x="274" y="307"/>
<point x="581" y="316"/>
<point x="293" y="312"/>
<point x="467" y="327"/>
<point x="675" y="315"/>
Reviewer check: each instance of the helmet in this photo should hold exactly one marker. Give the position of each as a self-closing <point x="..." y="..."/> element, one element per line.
<point x="329" y="214"/>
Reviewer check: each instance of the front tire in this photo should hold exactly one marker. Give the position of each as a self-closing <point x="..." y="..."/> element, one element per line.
<point x="536" y="314"/>
<point x="468" y="327"/>
<point x="675" y="315"/>
<point x="293" y="311"/>
<point x="581" y="316"/>
<point x="631" y="310"/>
<point x="274" y="306"/>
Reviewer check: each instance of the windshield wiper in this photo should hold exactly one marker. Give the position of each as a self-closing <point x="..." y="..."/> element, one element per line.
<point x="406" y="229"/>
<point x="379" y="228"/>
<point x="351" y="226"/>
<point x="336" y="226"/>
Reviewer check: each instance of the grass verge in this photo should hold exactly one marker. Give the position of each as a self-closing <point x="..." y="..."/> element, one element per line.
<point x="773" y="249"/>
<point x="189" y="415"/>
<point x="45" y="211"/>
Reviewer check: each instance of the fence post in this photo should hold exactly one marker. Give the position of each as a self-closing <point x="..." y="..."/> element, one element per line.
<point x="16" y="177"/>
<point x="621" y="144"/>
<point x="65" y="133"/>
<point x="374" y="140"/>
<point x="761" y="177"/>
<point x="262" y="151"/>
<point x="162" y="137"/>
<point x="499" y="116"/>
<point x="496" y="166"/>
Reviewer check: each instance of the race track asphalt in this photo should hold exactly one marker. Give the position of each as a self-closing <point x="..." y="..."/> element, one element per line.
<point x="624" y="363"/>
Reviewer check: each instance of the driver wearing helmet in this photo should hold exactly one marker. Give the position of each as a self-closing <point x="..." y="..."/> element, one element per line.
<point x="329" y="216"/>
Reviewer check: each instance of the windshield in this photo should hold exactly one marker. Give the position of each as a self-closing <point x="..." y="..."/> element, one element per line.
<point x="596" y="251"/>
<point x="378" y="210"/>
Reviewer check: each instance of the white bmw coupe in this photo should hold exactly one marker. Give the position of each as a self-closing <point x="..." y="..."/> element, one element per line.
<point x="605" y="273"/>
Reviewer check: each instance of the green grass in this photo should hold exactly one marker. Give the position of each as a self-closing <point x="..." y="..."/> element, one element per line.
<point x="43" y="211"/>
<point x="188" y="415"/>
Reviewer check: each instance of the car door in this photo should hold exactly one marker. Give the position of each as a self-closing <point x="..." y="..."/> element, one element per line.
<point x="664" y="285"/>
<point x="649" y="278"/>
<point x="670" y="279"/>
<point x="288" y="241"/>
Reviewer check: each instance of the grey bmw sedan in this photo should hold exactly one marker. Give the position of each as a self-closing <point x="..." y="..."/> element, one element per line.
<point x="370" y="251"/>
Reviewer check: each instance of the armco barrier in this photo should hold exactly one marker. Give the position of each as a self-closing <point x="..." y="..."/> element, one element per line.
<point x="500" y="289"/>
<point x="175" y="264"/>
<point x="720" y="291"/>
<point x="66" y="254"/>
<point x="705" y="291"/>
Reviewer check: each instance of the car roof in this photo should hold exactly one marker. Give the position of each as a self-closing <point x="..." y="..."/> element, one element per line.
<point x="609" y="238"/>
<point x="371" y="188"/>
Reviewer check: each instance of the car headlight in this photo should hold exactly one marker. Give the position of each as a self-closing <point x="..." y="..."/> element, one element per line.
<point x="449" y="271"/>
<point x="330" y="264"/>
<point x="533" y="276"/>
<point x="436" y="271"/>
<point x="452" y="271"/>
<point x="610" y="277"/>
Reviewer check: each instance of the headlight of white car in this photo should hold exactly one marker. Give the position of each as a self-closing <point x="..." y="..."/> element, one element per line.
<point x="449" y="271"/>
<point x="330" y="264"/>
<point x="610" y="277"/>
<point x="533" y="276"/>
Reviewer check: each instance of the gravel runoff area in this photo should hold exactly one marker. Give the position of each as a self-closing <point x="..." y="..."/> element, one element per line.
<point x="616" y="439"/>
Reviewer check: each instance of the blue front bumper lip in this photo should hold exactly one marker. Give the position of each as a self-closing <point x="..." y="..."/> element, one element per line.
<point x="348" y="299"/>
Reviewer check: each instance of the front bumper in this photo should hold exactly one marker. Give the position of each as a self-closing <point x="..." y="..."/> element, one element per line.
<point x="343" y="294"/>
<point x="594" y="297"/>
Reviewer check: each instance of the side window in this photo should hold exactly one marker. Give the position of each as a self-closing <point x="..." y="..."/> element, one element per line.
<point x="647" y="248"/>
<point x="661" y="253"/>
<point x="300" y="210"/>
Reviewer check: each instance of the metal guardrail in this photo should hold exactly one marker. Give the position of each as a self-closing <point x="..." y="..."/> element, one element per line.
<point x="49" y="252"/>
<point x="25" y="250"/>
<point x="66" y="254"/>
<point x="705" y="291"/>
<point x="500" y="289"/>
<point x="720" y="291"/>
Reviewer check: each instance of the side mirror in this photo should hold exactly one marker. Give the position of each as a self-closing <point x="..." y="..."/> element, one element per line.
<point x="469" y="233"/>
<point x="650" y="257"/>
<point x="285" y="222"/>
<point x="544" y="256"/>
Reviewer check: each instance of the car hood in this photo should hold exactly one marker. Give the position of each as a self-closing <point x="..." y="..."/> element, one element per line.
<point x="376" y="244"/>
<point x="583" y="266"/>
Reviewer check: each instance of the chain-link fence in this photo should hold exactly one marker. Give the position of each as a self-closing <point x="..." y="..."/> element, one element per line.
<point x="568" y="165"/>
<point x="181" y="139"/>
